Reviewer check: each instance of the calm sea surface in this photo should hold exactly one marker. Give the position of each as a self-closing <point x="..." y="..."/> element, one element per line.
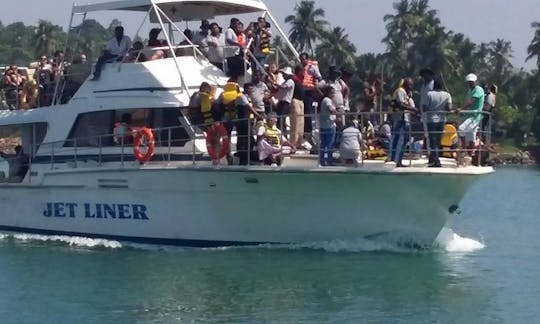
<point x="485" y="270"/>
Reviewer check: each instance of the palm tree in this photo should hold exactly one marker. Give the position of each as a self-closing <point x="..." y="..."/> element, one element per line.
<point x="335" y="49"/>
<point x="500" y="53"/>
<point x="534" y="48"/>
<point x="307" y="24"/>
<point x="47" y="38"/>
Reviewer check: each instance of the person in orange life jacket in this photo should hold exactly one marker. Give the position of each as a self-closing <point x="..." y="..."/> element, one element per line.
<point x="312" y="76"/>
<point x="245" y="111"/>
<point x="122" y="132"/>
<point x="271" y="143"/>
<point x="296" y="114"/>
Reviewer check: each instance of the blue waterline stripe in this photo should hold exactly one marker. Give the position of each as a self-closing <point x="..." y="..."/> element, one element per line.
<point x="134" y="239"/>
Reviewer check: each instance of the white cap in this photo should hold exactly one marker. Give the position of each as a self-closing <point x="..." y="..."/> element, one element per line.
<point x="471" y="78"/>
<point x="287" y="70"/>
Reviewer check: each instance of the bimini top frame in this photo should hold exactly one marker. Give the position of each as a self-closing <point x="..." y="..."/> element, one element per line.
<point x="179" y="10"/>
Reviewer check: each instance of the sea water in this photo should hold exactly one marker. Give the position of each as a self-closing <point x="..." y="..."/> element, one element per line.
<point x="484" y="268"/>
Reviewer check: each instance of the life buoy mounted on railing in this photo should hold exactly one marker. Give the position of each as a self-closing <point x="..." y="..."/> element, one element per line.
<point x="218" y="142"/>
<point x="144" y="137"/>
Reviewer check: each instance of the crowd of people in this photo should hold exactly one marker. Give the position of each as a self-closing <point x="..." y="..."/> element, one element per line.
<point x="292" y="96"/>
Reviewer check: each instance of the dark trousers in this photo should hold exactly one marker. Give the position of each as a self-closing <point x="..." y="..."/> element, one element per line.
<point x="435" y="134"/>
<point x="105" y="58"/>
<point x="282" y="110"/>
<point x="243" y="147"/>
<point x="308" y="111"/>
<point x="400" y="139"/>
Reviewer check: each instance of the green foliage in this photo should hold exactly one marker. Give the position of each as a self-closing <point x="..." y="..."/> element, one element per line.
<point x="417" y="39"/>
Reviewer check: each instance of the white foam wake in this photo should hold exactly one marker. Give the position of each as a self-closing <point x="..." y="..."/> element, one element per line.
<point x="70" y="240"/>
<point x="451" y="242"/>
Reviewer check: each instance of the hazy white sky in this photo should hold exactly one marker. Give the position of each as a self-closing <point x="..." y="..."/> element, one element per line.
<point x="481" y="20"/>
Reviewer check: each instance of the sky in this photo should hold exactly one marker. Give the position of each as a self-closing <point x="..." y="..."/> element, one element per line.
<point x="480" y="20"/>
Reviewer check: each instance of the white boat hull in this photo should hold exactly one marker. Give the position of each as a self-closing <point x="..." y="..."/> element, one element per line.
<point x="208" y="207"/>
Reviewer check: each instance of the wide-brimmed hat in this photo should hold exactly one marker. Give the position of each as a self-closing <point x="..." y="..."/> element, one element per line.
<point x="287" y="70"/>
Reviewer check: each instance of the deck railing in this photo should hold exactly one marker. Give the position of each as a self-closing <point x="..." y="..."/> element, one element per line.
<point x="74" y="153"/>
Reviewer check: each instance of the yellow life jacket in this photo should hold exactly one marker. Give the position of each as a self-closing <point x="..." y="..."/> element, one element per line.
<point x="265" y="43"/>
<point x="272" y="136"/>
<point x="230" y="93"/>
<point x="449" y="141"/>
<point x="206" y="107"/>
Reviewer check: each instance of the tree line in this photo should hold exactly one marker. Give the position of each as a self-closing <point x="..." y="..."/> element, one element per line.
<point x="415" y="39"/>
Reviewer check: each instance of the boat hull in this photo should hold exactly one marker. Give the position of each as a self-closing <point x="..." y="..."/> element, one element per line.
<point x="208" y="207"/>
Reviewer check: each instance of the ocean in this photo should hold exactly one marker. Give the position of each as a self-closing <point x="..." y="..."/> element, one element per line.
<point x="484" y="269"/>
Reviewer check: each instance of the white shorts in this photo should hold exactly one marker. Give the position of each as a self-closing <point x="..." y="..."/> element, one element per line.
<point x="469" y="128"/>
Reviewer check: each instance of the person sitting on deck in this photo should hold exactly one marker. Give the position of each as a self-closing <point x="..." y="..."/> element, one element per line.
<point x="115" y="50"/>
<point x="135" y="54"/>
<point x="271" y="143"/>
<point x="18" y="164"/>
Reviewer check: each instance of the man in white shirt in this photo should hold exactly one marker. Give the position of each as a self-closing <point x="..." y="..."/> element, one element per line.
<point x="115" y="50"/>
<point x="436" y="104"/>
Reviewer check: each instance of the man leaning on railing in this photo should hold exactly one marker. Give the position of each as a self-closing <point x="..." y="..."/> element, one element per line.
<point x="436" y="104"/>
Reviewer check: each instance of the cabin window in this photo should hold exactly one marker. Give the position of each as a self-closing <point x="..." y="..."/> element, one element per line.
<point x="30" y="136"/>
<point x="90" y="126"/>
<point x="88" y="129"/>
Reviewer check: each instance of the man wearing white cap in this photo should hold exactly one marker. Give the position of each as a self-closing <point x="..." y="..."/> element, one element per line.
<point x="474" y="106"/>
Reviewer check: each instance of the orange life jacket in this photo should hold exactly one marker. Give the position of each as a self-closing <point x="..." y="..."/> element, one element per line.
<point x="309" y="79"/>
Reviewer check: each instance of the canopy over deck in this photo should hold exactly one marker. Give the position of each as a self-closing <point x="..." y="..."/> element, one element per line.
<point x="179" y="10"/>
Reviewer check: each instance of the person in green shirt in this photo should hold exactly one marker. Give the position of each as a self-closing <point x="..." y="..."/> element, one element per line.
<point x="473" y="106"/>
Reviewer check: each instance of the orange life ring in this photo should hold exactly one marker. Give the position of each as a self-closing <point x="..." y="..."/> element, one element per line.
<point x="146" y="134"/>
<point x="217" y="134"/>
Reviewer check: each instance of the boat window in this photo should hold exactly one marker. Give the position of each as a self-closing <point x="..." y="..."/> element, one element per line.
<point x="30" y="136"/>
<point x="89" y="127"/>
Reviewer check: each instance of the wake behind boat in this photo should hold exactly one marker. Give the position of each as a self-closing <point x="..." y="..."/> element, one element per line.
<point x="166" y="181"/>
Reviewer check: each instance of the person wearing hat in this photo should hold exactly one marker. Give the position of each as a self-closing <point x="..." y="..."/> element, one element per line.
<point x="285" y="96"/>
<point x="200" y="37"/>
<point x="215" y="42"/>
<point x="473" y="106"/>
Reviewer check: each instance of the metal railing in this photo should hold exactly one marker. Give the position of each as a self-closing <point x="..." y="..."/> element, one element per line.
<point x="97" y="150"/>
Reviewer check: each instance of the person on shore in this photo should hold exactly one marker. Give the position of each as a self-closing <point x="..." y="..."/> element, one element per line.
<point x="115" y="50"/>
<point x="474" y="105"/>
<point x="402" y="105"/>
<point x="436" y="104"/>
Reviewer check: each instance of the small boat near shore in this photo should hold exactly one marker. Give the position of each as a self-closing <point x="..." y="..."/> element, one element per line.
<point x="80" y="181"/>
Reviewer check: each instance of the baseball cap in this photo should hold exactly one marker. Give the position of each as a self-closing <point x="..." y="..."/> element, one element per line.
<point x="471" y="78"/>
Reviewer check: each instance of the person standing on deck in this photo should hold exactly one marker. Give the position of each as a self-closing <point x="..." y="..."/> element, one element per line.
<point x="403" y="105"/>
<point x="473" y="106"/>
<point x="436" y="104"/>
<point x="296" y="115"/>
<point x="312" y="76"/>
